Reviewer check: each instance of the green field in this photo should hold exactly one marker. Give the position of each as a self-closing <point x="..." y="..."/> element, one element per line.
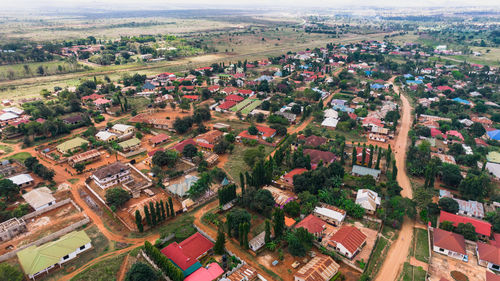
<point x="21" y="156"/>
<point x="102" y="271"/>
<point x="251" y="107"/>
<point x="16" y="71"/>
<point x="235" y="163"/>
<point x="412" y="273"/>
<point x="421" y="245"/>
<point x="242" y="105"/>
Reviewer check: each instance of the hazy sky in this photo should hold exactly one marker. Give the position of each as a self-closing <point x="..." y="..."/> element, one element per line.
<point x="166" y="4"/>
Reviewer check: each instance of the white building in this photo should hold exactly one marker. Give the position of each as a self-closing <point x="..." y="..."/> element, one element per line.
<point x="111" y="175"/>
<point x="368" y="199"/>
<point x="449" y="244"/>
<point x="22" y="180"/>
<point x="39" y="198"/>
<point x="330" y="214"/>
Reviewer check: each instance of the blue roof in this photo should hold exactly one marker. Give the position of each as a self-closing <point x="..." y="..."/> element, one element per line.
<point x="368" y="72"/>
<point x="343" y="108"/>
<point x="414" y="82"/>
<point x="408" y="76"/>
<point x="377" y="86"/>
<point x="420" y="78"/>
<point x="461" y="100"/>
<point x="495" y="135"/>
<point x="225" y="182"/>
<point x="148" y="86"/>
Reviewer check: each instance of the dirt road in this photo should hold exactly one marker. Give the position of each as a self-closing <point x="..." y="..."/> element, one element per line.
<point x="399" y="249"/>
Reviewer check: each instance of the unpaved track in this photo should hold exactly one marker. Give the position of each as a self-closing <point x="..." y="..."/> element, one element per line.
<point x="399" y="249"/>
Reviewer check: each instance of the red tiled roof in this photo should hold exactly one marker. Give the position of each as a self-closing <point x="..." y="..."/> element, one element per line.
<point x="435" y="132"/>
<point x="191" y="97"/>
<point x="92" y="97"/>
<point x="234" y="97"/>
<point x="186" y="253"/>
<point x="246" y="135"/>
<point x="245" y="92"/>
<point x="266" y="131"/>
<point x="180" y="146"/>
<point x="492" y="276"/>
<point x="296" y="171"/>
<point x="205" y="145"/>
<point x="318" y="155"/>
<point x="480" y="142"/>
<point x="444" y="88"/>
<point x="229" y="90"/>
<point x="449" y="241"/>
<point x="482" y="227"/>
<point x="487" y="252"/>
<point x="312" y="224"/>
<point x="373" y="121"/>
<point x="455" y="134"/>
<point x="101" y="101"/>
<point x="315" y="141"/>
<point x="214" y="88"/>
<point x="160" y="138"/>
<point x="153" y="152"/>
<point x="227" y="105"/>
<point x="353" y="116"/>
<point x="350" y="237"/>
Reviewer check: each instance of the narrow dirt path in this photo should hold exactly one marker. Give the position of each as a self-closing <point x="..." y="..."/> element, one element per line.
<point x="399" y="249"/>
<point x="123" y="269"/>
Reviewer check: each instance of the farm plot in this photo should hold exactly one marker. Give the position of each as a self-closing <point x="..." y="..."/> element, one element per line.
<point x="251" y="106"/>
<point x="242" y="105"/>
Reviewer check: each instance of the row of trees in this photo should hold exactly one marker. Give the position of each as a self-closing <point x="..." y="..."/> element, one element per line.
<point x="33" y="164"/>
<point x="155" y="213"/>
<point x="165" y="265"/>
<point x="226" y="194"/>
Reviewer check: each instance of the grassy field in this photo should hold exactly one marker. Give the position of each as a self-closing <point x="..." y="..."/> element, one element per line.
<point x="412" y="273"/>
<point x="105" y="270"/>
<point x="251" y="106"/>
<point x="353" y="135"/>
<point x="420" y="248"/>
<point x="242" y="104"/>
<point x="21" y="156"/>
<point x="16" y="71"/>
<point x="6" y="149"/>
<point x="235" y="163"/>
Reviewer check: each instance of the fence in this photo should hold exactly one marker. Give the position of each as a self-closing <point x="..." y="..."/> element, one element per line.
<point x="47" y="238"/>
<point x="50" y="208"/>
<point x="146" y="257"/>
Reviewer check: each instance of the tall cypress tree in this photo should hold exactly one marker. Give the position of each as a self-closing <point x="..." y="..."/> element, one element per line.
<point x="377" y="165"/>
<point x="363" y="156"/>
<point x="370" y="161"/>
<point x="148" y="216"/>
<point x="394" y="170"/>
<point x="267" y="237"/>
<point x="241" y="231"/>
<point x="278" y="222"/>
<point x="342" y="147"/>
<point x="158" y="211"/>
<point x="246" y="229"/>
<point x="354" y="155"/>
<point x="220" y="242"/>
<point x="163" y="215"/>
<point x="167" y="209"/>
<point x="153" y="213"/>
<point x="138" y="221"/>
<point x="171" y="204"/>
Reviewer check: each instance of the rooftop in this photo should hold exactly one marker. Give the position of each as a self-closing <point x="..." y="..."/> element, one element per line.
<point x="449" y="241"/>
<point x="350" y="237"/>
<point x="39" y="197"/>
<point x="312" y="224"/>
<point x="482" y="227"/>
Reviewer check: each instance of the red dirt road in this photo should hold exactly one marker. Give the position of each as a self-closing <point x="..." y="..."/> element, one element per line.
<point x="399" y="249"/>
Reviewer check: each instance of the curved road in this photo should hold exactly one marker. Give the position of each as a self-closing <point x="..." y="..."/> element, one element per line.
<point x="399" y="250"/>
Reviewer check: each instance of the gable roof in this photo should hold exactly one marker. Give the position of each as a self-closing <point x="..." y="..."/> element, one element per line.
<point x="318" y="155"/>
<point x="482" y="227"/>
<point x="449" y="241"/>
<point x="492" y="276"/>
<point x="368" y="199"/>
<point x="129" y="143"/>
<point x="360" y="170"/>
<point x="111" y="169"/>
<point x="121" y="127"/>
<point x="330" y="212"/>
<point x="319" y="268"/>
<point x="180" y="146"/>
<point x="315" y="141"/>
<point x="350" y="237"/>
<point x="39" y="197"/>
<point x="35" y="259"/>
<point x="71" y="144"/>
<point x="186" y="253"/>
<point x="159" y="138"/>
<point x="21" y="179"/>
<point x="312" y="224"/>
<point x="296" y="171"/>
<point x="489" y="253"/>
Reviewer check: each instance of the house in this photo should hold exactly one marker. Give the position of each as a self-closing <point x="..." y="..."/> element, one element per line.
<point x="494" y="169"/>
<point x="180" y="146"/>
<point x="257" y="242"/>
<point x="71" y="145"/>
<point x="449" y="244"/>
<point x="22" y="180"/>
<point x="106" y="136"/>
<point x="209" y="139"/>
<point x="494" y="135"/>
<point x="73" y="119"/>
<point x="281" y="197"/>
<point x="317" y="156"/>
<point x="289" y="222"/>
<point x="365" y="171"/>
<point x="288" y="177"/>
<point x="181" y="189"/>
<point x="319" y="268"/>
<point x="39" y="198"/>
<point x="159" y="139"/>
<point x="211" y="272"/>
<point x="348" y="241"/>
<point x="313" y="225"/>
<point x="330" y="214"/>
<point x="488" y="255"/>
<point x="490" y="276"/>
<point x="263" y="132"/>
<point x="288" y="116"/>
<point x="315" y="141"/>
<point x="330" y="123"/>
<point x="368" y="199"/>
<point x="6" y="168"/>
<point x="483" y="228"/>
<point x="244" y="273"/>
<point x="122" y="129"/>
<point x="112" y="174"/>
<point x="129" y="145"/>
<point x="222" y="127"/>
<point x="11" y="228"/>
<point x="36" y="260"/>
<point x="470" y="208"/>
<point x="185" y="255"/>
<point x="234" y="98"/>
<point x="84" y="157"/>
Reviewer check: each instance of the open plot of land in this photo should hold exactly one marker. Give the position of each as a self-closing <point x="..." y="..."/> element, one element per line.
<point x="16" y="71"/>
<point x="236" y="162"/>
<point x="43" y="225"/>
<point x="441" y="266"/>
<point x="102" y="271"/>
<point x="420" y="247"/>
<point x="412" y="273"/>
<point x="353" y="135"/>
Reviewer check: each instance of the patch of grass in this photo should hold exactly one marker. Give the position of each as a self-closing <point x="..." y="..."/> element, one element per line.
<point x="377" y="257"/>
<point x="412" y="273"/>
<point x="422" y="246"/>
<point x="352" y="135"/>
<point x="182" y="228"/>
<point x="101" y="271"/>
<point x="73" y="181"/>
<point x="235" y="163"/>
<point x="6" y="149"/>
<point x="21" y="156"/>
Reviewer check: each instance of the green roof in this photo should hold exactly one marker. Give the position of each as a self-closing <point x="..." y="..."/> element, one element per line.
<point x="35" y="259"/>
<point x="493" y="156"/>
<point x="130" y="143"/>
<point x="71" y="144"/>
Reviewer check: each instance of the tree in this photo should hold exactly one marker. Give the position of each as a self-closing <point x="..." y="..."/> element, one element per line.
<point x="252" y="130"/>
<point x="475" y="186"/>
<point x="446" y="225"/>
<point x="292" y="209"/>
<point x="267" y="237"/>
<point x="158" y="211"/>
<point x="116" y="197"/>
<point x="141" y="272"/>
<point x="152" y="211"/>
<point x="296" y="109"/>
<point x="10" y="273"/>
<point x="278" y="222"/>
<point x="353" y="155"/>
<point x="477" y="129"/>
<point x="234" y="218"/>
<point x="8" y="189"/>
<point x="299" y="242"/>
<point x="189" y="151"/>
<point x="370" y="161"/>
<point x="171" y="204"/>
<point x="165" y="158"/>
<point x="163" y="214"/>
<point x="138" y="221"/>
<point x="79" y="167"/>
<point x="220" y="242"/>
<point x="451" y="174"/>
<point x="262" y="201"/>
<point x="242" y="183"/>
<point x="167" y="210"/>
<point x="449" y="205"/>
<point x="147" y="215"/>
<point x="467" y="230"/>
<point x="394" y="170"/>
